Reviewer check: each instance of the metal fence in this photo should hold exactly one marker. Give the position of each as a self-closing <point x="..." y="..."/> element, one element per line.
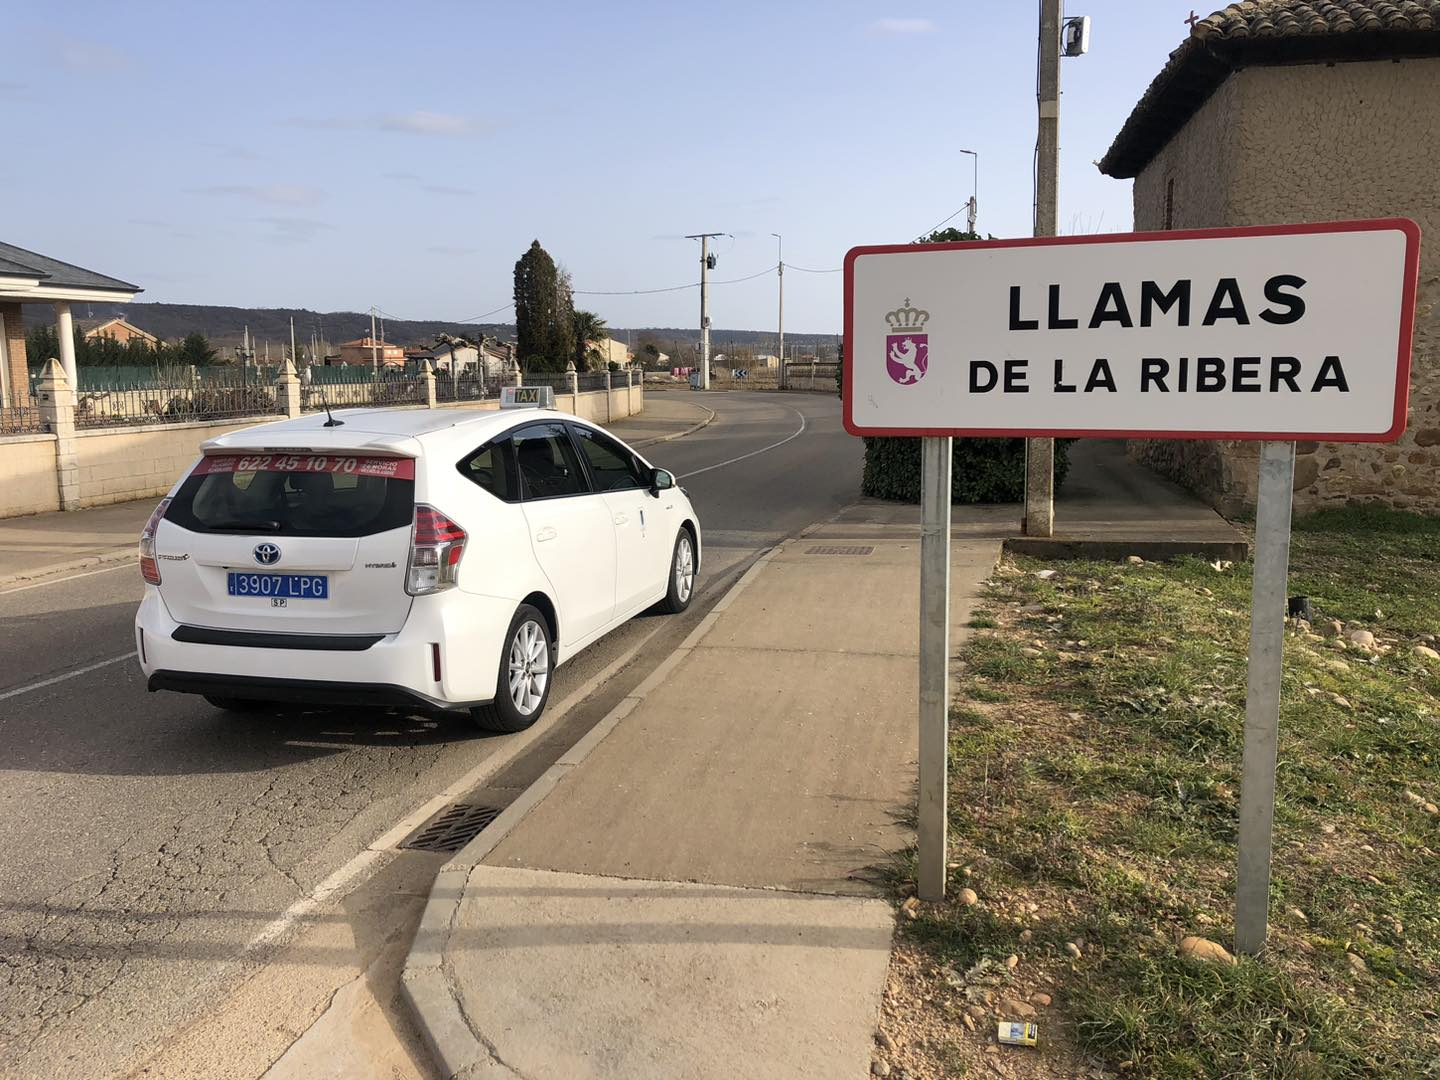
<point x="594" y="380"/>
<point x="464" y="386"/>
<point x="387" y="386"/>
<point x="22" y="420"/>
<point x="810" y="376"/>
<point x="175" y="400"/>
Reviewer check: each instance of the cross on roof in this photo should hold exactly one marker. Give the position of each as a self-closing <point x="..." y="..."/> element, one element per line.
<point x="1193" y="19"/>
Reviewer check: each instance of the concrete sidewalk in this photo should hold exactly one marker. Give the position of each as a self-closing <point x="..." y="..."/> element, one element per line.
<point x="693" y="890"/>
<point x="43" y="545"/>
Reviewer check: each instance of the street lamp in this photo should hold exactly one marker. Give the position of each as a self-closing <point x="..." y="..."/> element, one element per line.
<point x="780" y="260"/>
<point x="974" y="189"/>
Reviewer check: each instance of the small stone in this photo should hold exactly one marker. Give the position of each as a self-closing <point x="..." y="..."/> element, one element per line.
<point x="1431" y="809"/>
<point x="1199" y="948"/>
<point x="1045" y="575"/>
<point x="885" y="1041"/>
<point x="976" y="1012"/>
<point x="1040" y="999"/>
<point x="1414" y="798"/>
<point x="1134" y="560"/>
<point x="1343" y="702"/>
<point x="1206" y="592"/>
<point x="1424" y="652"/>
<point x="1073" y="950"/>
<point x="967" y="897"/>
<point x="1031" y="652"/>
<point x="1012" y="961"/>
<point x="1332" y="628"/>
<point x="1328" y="828"/>
<point x="1357" y="965"/>
<point x="1296" y="915"/>
<point x="1302" y="626"/>
<point x="1363" y="638"/>
<point x="879" y="1068"/>
<point x="1340" y="667"/>
<point x="968" y="1021"/>
<point x="992" y="1049"/>
<point x="1026" y="935"/>
<point x="1010" y="1009"/>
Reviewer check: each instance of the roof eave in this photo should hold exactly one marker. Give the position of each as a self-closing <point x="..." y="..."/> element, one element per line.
<point x="1200" y="67"/>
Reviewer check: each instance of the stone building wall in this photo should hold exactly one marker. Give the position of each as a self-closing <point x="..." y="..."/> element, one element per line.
<point x="1303" y="143"/>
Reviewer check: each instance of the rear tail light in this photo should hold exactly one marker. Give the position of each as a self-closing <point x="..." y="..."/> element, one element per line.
<point x="149" y="568"/>
<point x="436" y="545"/>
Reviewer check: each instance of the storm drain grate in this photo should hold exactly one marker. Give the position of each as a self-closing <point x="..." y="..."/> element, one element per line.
<point x="451" y="829"/>
<point x="842" y="549"/>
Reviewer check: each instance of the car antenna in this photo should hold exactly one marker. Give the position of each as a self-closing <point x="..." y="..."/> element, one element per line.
<point x="330" y="421"/>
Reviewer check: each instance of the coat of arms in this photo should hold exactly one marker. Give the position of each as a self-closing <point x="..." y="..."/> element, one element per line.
<point x="907" y="350"/>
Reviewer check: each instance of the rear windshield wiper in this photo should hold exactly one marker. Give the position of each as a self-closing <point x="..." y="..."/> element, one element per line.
<point x="243" y="526"/>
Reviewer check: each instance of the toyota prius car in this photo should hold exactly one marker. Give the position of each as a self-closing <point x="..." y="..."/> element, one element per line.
<point x="431" y="558"/>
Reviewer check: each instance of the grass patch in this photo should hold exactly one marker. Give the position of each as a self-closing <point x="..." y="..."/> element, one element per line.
<point x="1095" y="771"/>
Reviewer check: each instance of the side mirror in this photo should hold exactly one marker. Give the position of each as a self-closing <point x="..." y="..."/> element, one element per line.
<point x="660" y="480"/>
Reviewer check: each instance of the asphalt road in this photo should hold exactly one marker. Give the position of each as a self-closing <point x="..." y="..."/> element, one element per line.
<point x="149" y="839"/>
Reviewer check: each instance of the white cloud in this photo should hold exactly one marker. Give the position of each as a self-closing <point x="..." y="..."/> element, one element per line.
<point x="281" y="194"/>
<point x="903" y="26"/>
<point x="294" y="230"/>
<point x="91" y="56"/>
<point x="417" y="122"/>
<point x="425" y="123"/>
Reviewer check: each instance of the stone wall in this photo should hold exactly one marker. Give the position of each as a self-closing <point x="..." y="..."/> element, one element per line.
<point x="116" y="464"/>
<point x="1303" y="143"/>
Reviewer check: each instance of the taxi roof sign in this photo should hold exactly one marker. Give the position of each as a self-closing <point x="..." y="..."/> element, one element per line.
<point x="527" y="397"/>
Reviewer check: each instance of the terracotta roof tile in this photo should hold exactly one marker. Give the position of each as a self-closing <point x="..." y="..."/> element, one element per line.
<point x="1259" y="32"/>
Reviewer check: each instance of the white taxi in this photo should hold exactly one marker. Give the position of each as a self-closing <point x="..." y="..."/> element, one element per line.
<point x="432" y="558"/>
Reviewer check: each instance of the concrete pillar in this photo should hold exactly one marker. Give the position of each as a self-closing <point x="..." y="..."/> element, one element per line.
<point x="629" y="391"/>
<point x="609" y="412"/>
<point x="65" y="330"/>
<point x="573" y="378"/>
<point x="287" y="389"/>
<point x="427" y="381"/>
<point x="56" y="402"/>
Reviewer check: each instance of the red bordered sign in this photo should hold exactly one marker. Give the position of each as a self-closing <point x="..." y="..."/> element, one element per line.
<point x="1287" y="332"/>
<point x="338" y="464"/>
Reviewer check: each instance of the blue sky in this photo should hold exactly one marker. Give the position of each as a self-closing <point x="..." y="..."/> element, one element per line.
<point x="334" y="156"/>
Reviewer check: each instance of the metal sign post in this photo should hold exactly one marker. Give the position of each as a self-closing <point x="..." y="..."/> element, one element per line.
<point x="935" y="459"/>
<point x="1262" y="699"/>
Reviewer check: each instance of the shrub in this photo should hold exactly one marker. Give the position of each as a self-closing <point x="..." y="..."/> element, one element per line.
<point x="981" y="470"/>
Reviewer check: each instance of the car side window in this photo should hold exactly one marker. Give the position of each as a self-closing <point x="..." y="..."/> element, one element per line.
<point x="492" y="467"/>
<point x="612" y="467"/>
<point x="546" y="462"/>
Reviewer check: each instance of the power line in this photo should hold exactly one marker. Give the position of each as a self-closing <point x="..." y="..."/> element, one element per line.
<point x="807" y="270"/>
<point x="672" y="288"/>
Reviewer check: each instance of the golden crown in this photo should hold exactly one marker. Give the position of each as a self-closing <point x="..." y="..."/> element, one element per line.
<point x="907" y="317"/>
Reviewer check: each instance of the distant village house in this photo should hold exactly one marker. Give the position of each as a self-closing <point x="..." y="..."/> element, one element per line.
<point x="116" y="329"/>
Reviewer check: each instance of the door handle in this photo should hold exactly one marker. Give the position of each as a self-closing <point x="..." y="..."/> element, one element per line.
<point x="547" y="533"/>
<point x="621" y="519"/>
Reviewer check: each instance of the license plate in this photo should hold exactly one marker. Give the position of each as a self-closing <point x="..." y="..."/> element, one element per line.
<point x="281" y="586"/>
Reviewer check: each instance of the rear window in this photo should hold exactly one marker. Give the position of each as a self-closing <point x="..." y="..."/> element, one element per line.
<point x="296" y="495"/>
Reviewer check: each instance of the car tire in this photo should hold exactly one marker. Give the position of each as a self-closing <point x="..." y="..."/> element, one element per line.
<point x="235" y="704"/>
<point x="530" y="655"/>
<point x="682" y="575"/>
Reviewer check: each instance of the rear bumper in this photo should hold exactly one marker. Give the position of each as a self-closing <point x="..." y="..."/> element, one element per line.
<point x="299" y="691"/>
<point x="397" y="669"/>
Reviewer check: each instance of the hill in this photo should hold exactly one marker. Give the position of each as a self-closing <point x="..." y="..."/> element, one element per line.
<point x="225" y="326"/>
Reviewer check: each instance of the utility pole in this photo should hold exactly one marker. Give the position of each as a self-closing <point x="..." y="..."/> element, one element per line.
<point x="294" y="359"/>
<point x="1040" y="453"/>
<point x="374" y="354"/>
<point x="707" y="262"/>
<point x="780" y="251"/>
<point x="974" y="211"/>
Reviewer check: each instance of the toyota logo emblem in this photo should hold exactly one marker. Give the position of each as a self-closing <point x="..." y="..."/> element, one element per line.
<point x="267" y="554"/>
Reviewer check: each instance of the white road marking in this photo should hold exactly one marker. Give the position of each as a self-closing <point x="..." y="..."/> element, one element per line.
<point x="127" y="564"/>
<point x="68" y="675"/>
<point x="721" y="464"/>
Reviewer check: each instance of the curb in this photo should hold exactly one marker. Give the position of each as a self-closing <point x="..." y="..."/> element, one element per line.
<point x="104" y="558"/>
<point x="679" y="434"/>
<point x="444" y="1026"/>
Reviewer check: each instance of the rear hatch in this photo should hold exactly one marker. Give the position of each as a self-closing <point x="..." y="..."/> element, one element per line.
<point x="282" y="542"/>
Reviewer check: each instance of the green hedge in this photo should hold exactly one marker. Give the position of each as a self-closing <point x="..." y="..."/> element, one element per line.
<point x="982" y="470"/>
